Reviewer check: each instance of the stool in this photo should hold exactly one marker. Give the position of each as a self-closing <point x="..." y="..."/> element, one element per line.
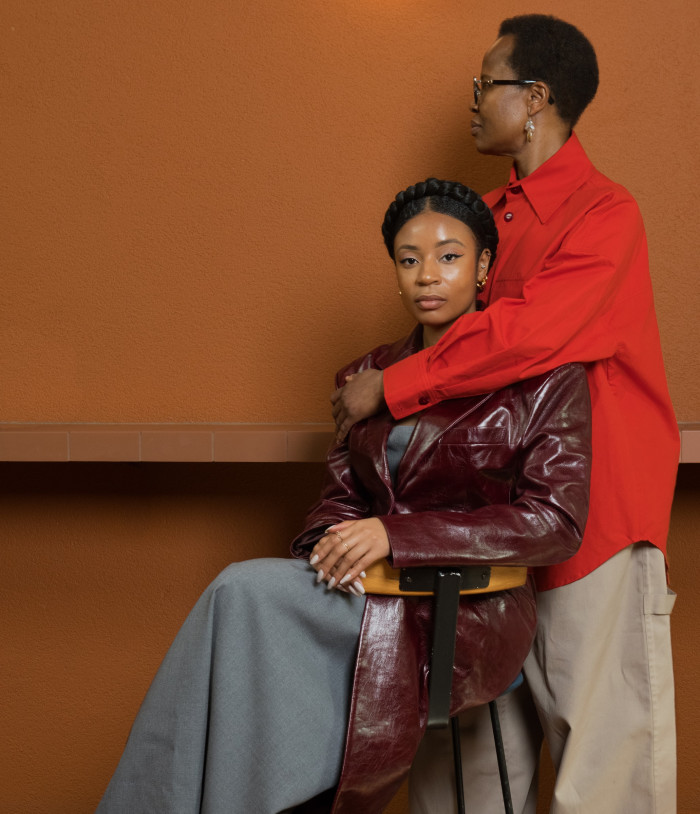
<point x="447" y="584"/>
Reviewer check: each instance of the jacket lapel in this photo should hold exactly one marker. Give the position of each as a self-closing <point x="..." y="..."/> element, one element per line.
<point x="368" y="452"/>
<point x="432" y="425"/>
<point x="368" y="439"/>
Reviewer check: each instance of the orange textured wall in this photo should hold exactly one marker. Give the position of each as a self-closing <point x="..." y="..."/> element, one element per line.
<point x="190" y="198"/>
<point x="192" y="193"/>
<point x="100" y="565"/>
<point x="102" y="562"/>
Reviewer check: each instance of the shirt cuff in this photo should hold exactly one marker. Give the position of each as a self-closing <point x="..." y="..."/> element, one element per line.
<point x="407" y="387"/>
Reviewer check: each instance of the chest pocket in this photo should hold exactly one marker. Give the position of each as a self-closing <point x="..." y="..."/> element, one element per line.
<point x="474" y="436"/>
<point x="483" y="456"/>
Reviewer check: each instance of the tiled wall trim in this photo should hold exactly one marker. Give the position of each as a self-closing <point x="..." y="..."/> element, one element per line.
<point x="165" y="442"/>
<point x="196" y="442"/>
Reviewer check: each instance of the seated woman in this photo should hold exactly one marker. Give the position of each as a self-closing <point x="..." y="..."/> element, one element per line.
<point x="281" y="674"/>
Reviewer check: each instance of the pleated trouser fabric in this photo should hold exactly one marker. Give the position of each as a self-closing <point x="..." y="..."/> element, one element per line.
<point x="248" y="711"/>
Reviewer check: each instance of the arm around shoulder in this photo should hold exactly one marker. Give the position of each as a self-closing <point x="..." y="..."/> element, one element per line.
<point x="576" y="308"/>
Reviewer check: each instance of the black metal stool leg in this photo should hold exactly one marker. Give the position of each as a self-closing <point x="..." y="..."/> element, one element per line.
<point x="501" y="755"/>
<point x="457" y="754"/>
<point x="446" y="586"/>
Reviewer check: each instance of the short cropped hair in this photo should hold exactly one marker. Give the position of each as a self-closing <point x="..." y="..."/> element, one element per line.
<point x="557" y="53"/>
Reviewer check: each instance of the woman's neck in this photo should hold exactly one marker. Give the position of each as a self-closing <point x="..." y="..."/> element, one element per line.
<point x="545" y="143"/>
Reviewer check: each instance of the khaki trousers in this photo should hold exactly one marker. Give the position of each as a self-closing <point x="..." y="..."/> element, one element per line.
<point x="599" y="686"/>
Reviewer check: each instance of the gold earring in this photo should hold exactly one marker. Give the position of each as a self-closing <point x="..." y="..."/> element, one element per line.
<point x="400" y="292"/>
<point x="481" y="284"/>
<point x="529" y="129"/>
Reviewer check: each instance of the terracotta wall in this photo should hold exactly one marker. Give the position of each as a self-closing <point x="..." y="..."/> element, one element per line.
<point x="192" y="192"/>
<point x="190" y="199"/>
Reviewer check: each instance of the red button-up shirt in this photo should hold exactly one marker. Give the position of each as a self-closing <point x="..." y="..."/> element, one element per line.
<point x="571" y="283"/>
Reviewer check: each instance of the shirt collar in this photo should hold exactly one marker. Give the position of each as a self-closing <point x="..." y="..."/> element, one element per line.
<point x="554" y="181"/>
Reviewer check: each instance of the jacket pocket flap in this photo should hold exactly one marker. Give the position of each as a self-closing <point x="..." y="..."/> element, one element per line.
<point x="475" y="435"/>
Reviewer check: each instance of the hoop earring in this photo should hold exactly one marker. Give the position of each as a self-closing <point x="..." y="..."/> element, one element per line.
<point x="529" y="129"/>
<point x="481" y="284"/>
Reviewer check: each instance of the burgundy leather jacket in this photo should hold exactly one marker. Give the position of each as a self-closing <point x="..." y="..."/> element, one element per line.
<point x="500" y="478"/>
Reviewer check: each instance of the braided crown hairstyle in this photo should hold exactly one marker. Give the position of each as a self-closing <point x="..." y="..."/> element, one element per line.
<point x="448" y="198"/>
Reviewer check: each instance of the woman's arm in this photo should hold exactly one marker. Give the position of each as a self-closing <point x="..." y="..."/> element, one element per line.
<point x="545" y="522"/>
<point x="335" y="525"/>
<point x="590" y="298"/>
<point x="342" y="495"/>
<point x="342" y="498"/>
<point x="543" y="525"/>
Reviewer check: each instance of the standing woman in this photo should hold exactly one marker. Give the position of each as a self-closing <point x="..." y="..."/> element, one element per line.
<point x="571" y="284"/>
<point x="266" y="693"/>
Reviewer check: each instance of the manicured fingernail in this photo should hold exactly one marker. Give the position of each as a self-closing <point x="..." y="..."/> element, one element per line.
<point x="353" y="591"/>
<point x="362" y="574"/>
<point x="360" y="587"/>
<point x="313" y="560"/>
<point x="344" y="579"/>
<point x="331" y="582"/>
<point x="319" y="577"/>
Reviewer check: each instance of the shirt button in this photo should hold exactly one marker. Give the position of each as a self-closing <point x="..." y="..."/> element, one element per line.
<point x="508" y="217"/>
<point x="423" y="400"/>
<point x="516" y="190"/>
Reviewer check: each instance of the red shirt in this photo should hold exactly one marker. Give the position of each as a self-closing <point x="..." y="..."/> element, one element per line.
<point x="570" y="283"/>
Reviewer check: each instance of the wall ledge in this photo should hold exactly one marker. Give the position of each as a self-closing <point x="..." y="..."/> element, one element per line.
<point x="690" y="442"/>
<point x="197" y="442"/>
<point x="165" y="442"/>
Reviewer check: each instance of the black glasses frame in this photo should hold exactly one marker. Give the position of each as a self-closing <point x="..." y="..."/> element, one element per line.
<point x="479" y="85"/>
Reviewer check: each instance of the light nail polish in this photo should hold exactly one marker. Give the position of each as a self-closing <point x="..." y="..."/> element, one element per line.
<point x="344" y="579"/>
<point x="319" y="577"/>
<point x="331" y="582"/>
<point x="313" y="560"/>
<point x="360" y="587"/>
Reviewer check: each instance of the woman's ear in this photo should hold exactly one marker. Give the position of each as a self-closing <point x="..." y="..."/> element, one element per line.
<point x="482" y="265"/>
<point x="538" y="97"/>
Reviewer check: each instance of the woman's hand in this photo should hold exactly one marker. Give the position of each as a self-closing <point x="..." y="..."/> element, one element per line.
<point x="341" y="556"/>
<point x="360" y="397"/>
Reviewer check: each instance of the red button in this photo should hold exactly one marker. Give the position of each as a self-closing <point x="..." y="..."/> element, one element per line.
<point x="423" y="400"/>
<point x="508" y="216"/>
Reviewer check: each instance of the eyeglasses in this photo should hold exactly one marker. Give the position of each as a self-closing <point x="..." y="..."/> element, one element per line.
<point x="480" y="84"/>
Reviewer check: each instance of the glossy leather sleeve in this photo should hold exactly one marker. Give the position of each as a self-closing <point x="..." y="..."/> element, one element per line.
<point x="545" y="521"/>
<point x="342" y="498"/>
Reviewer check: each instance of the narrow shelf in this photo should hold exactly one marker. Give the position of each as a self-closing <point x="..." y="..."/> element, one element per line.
<point x="165" y="442"/>
<point x="197" y="442"/>
<point x="690" y="442"/>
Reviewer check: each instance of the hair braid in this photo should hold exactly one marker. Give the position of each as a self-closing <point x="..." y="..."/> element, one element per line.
<point x="448" y="198"/>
